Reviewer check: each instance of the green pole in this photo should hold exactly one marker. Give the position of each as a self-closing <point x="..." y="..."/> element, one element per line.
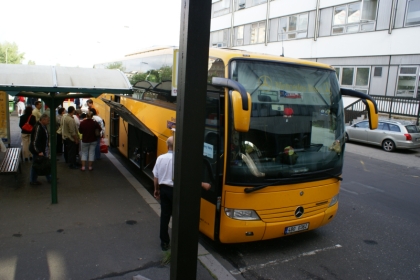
<point x="53" y="150"/>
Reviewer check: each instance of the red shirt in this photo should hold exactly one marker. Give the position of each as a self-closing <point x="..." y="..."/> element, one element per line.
<point x="87" y="129"/>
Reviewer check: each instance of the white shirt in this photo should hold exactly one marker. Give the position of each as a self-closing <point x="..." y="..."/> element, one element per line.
<point x="163" y="169"/>
<point x="21" y="108"/>
<point x="77" y="121"/>
<point x="100" y="121"/>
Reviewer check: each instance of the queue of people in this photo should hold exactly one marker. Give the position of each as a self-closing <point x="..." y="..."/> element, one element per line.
<point x="73" y="126"/>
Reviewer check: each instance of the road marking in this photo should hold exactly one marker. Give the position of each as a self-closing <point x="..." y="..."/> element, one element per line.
<point x="279" y="261"/>
<point x="368" y="187"/>
<point x="343" y="189"/>
<point x="364" y="166"/>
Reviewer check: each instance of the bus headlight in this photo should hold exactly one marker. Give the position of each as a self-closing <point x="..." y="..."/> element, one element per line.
<point x="238" y="214"/>
<point x="334" y="200"/>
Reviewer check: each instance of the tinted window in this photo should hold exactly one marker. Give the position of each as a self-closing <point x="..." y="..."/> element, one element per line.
<point x="383" y="126"/>
<point x="412" y="129"/>
<point x="362" y="125"/>
<point x="394" y="127"/>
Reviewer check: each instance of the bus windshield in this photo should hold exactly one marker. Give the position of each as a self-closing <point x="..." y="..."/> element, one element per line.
<point x="297" y="125"/>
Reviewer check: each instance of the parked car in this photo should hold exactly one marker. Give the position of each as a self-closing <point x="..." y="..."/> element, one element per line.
<point x="390" y="134"/>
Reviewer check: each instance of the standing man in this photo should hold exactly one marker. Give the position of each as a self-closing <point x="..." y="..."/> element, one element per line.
<point x="39" y="146"/>
<point x="37" y="111"/>
<point x="70" y="137"/>
<point x="163" y="184"/>
<point x="77" y="103"/>
<point x="89" y="103"/>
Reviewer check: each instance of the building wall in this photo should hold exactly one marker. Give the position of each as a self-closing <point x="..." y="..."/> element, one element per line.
<point x="374" y="48"/>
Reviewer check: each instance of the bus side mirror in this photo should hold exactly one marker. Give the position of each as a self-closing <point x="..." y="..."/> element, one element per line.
<point x="241" y="117"/>
<point x="241" y="102"/>
<point x="373" y="114"/>
<point x="370" y="105"/>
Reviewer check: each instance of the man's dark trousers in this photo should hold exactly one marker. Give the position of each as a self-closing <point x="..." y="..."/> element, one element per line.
<point x="166" y="197"/>
<point x="71" y="149"/>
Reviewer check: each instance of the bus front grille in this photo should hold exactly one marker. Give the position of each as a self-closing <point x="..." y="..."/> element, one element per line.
<point x="288" y="213"/>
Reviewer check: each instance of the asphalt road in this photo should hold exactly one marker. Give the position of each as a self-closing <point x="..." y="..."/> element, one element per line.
<point x="375" y="234"/>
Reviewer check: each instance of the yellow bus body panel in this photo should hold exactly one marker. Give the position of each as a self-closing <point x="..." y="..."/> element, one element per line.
<point x="276" y="207"/>
<point x="207" y="218"/>
<point x="154" y="117"/>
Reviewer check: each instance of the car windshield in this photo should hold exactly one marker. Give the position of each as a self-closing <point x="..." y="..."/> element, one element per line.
<point x="296" y="130"/>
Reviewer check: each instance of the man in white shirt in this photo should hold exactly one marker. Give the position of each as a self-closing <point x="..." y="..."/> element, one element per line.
<point x="163" y="183"/>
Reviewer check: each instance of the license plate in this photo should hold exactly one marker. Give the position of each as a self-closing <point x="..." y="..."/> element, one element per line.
<point x="296" y="228"/>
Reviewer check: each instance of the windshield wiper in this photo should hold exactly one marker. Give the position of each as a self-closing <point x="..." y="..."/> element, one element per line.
<point x="319" y="172"/>
<point x="249" y="190"/>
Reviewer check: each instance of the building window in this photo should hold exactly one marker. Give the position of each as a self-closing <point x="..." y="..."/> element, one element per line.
<point x="355" y="17"/>
<point x="408" y="82"/>
<point x="293" y="27"/>
<point x="258" y="32"/>
<point x="219" y="39"/>
<point x="220" y="8"/>
<point x="413" y="13"/>
<point x="356" y="78"/>
<point x="242" y="4"/>
<point x="377" y="72"/>
<point x="239" y="36"/>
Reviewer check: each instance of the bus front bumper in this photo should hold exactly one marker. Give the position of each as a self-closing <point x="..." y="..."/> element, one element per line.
<point x="237" y="231"/>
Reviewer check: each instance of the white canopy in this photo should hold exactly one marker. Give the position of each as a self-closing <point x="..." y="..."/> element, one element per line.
<point x="20" y="79"/>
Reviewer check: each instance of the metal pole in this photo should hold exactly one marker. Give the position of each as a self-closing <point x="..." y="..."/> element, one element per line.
<point x="191" y="100"/>
<point x="316" y="21"/>
<point x="53" y="150"/>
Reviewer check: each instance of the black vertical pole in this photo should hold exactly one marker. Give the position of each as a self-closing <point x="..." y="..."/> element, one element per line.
<point x="192" y="86"/>
<point x="53" y="149"/>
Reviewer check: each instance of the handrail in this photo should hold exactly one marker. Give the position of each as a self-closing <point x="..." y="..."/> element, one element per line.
<point x="392" y="105"/>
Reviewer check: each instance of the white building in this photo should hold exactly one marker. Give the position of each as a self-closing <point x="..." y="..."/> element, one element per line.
<point x="373" y="44"/>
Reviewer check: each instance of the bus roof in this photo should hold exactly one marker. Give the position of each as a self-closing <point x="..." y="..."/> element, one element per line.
<point x="234" y="53"/>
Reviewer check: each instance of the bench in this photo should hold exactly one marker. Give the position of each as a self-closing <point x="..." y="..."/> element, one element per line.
<point x="11" y="162"/>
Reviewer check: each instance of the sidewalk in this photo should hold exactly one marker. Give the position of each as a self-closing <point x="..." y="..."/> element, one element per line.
<point x="105" y="226"/>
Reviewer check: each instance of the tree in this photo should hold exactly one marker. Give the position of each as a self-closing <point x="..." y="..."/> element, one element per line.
<point x="31" y="62"/>
<point x="9" y="53"/>
<point x="116" y="65"/>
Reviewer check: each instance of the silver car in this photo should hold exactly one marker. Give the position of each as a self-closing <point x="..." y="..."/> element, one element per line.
<point x="390" y="134"/>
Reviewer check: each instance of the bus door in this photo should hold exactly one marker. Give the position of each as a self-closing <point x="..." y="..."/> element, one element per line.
<point x="115" y="124"/>
<point x="213" y="158"/>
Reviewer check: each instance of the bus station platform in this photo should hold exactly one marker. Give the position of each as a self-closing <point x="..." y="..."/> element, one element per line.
<point x="104" y="226"/>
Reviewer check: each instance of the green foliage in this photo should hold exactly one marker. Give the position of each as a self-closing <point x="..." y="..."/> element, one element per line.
<point x="116" y="65"/>
<point x="31" y="62"/>
<point x="13" y="56"/>
<point x="137" y="78"/>
<point x="156" y="76"/>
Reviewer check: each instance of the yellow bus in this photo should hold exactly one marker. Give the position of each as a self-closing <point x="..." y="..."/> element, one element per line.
<point x="274" y="137"/>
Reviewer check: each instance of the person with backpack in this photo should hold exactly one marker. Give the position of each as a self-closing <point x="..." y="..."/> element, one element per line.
<point x="101" y="123"/>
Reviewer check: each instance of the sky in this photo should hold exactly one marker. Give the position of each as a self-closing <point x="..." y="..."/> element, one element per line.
<point x="80" y="33"/>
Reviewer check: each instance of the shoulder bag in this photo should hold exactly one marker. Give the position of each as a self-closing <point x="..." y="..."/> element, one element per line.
<point x="27" y="126"/>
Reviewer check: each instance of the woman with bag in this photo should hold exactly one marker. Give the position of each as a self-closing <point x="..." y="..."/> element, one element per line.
<point x="39" y="147"/>
<point x="26" y="123"/>
<point x="90" y="131"/>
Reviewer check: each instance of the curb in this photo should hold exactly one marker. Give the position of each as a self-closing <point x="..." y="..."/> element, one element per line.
<point x="203" y="255"/>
